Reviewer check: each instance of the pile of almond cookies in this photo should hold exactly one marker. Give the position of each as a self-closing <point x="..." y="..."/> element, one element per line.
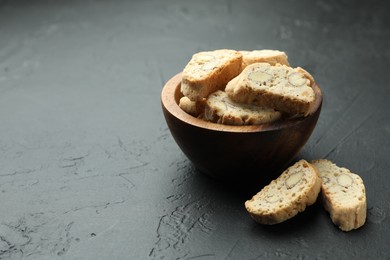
<point x="342" y="194"/>
<point x="245" y="87"/>
<point x="256" y="87"/>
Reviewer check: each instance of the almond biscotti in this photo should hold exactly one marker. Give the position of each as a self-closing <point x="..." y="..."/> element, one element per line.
<point x="343" y="195"/>
<point x="297" y="187"/>
<point x="279" y="87"/>
<point x="220" y="109"/>
<point x="208" y="72"/>
<point x="272" y="57"/>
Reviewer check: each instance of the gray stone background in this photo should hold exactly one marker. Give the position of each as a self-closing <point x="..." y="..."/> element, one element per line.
<point x="89" y="170"/>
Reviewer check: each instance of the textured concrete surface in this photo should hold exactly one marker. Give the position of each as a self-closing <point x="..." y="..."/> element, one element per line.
<point x="89" y="170"/>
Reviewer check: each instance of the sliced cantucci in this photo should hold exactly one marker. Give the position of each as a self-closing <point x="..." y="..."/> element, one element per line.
<point x="208" y="72"/>
<point x="220" y="109"/>
<point x="279" y="87"/>
<point x="343" y="195"/>
<point x="295" y="189"/>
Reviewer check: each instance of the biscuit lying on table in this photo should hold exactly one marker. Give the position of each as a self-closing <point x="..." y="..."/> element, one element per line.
<point x="279" y="87"/>
<point x="297" y="187"/>
<point x="220" y="109"/>
<point x="343" y="195"/>
<point x="208" y="72"/>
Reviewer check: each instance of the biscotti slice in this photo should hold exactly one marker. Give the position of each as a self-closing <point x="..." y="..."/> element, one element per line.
<point x="208" y="72"/>
<point x="279" y="87"/>
<point x="220" y="109"/>
<point x="194" y="108"/>
<point x="343" y="195"/>
<point x="286" y="196"/>
<point x="272" y="57"/>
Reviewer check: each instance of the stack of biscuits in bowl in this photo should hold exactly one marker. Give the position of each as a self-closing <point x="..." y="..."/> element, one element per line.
<point x="244" y="114"/>
<point x="245" y="87"/>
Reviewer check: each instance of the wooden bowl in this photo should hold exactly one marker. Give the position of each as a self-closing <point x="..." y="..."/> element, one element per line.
<point x="237" y="152"/>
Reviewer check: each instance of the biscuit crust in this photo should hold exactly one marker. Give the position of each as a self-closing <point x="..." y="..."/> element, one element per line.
<point x="343" y="195"/>
<point x="295" y="189"/>
<point x="279" y="87"/>
<point x="208" y="72"/>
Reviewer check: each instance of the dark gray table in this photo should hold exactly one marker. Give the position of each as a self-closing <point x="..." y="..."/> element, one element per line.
<point x="89" y="170"/>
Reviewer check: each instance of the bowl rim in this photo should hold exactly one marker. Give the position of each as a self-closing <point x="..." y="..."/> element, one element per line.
<point x="170" y="96"/>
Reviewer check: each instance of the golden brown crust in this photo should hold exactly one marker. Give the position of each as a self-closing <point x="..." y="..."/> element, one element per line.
<point x="208" y="72"/>
<point x="279" y="87"/>
<point x="343" y="195"/>
<point x="294" y="190"/>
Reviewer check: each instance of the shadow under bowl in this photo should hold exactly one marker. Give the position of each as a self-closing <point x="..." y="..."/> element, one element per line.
<point x="237" y="153"/>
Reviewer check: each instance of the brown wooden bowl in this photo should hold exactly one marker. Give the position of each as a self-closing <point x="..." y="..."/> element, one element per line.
<point x="237" y="152"/>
